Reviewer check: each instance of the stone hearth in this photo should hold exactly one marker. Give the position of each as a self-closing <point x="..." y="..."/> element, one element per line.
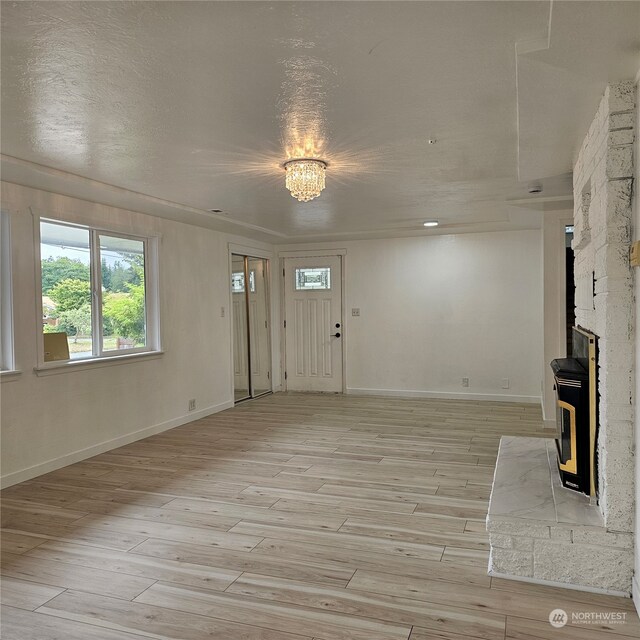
<point x="542" y="532"/>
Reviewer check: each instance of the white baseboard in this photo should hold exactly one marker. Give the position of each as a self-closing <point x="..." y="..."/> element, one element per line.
<point x="88" y="452"/>
<point x="443" y="395"/>
<point x="635" y="593"/>
<point x="564" y="585"/>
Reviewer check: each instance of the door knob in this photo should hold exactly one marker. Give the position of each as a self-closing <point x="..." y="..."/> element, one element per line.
<point x="335" y="335"/>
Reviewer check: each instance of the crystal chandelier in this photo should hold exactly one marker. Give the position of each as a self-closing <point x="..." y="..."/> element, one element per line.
<point x="305" y="178"/>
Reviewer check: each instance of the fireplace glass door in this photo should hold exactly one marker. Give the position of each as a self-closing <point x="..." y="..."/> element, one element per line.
<point x="572" y="393"/>
<point x="567" y="436"/>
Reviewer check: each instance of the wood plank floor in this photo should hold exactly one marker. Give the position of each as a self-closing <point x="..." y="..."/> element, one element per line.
<point x="290" y="517"/>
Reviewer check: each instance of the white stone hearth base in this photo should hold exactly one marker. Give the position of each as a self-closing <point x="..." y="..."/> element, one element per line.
<point x="563" y="585"/>
<point x="541" y="532"/>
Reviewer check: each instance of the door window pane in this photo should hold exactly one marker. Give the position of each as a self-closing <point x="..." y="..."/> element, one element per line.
<point x="313" y="278"/>
<point x="66" y="292"/>
<point x="123" y="293"/>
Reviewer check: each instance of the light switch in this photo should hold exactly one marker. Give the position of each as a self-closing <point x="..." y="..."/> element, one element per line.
<point x="222" y="312"/>
<point x="634" y="254"/>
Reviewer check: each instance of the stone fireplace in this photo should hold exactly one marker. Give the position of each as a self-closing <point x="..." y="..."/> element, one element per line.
<point x="539" y="530"/>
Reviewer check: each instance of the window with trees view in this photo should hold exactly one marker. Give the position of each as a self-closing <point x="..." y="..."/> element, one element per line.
<point x="95" y="293"/>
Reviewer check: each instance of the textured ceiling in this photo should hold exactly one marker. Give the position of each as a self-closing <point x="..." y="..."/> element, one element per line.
<point x="192" y="106"/>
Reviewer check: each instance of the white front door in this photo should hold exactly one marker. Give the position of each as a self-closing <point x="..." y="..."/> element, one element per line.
<point x="313" y="323"/>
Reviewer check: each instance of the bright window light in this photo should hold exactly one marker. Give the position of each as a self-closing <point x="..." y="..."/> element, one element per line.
<point x="96" y="298"/>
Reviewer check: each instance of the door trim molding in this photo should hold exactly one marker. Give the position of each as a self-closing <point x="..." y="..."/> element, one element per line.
<point x="312" y="253"/>
<point x="250" y="251"/>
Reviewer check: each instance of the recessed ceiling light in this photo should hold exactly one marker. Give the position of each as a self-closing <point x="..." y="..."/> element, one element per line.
<point x="430" y="223"/>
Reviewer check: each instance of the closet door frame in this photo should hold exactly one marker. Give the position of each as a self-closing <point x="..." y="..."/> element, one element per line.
<point x="248" y="252"/>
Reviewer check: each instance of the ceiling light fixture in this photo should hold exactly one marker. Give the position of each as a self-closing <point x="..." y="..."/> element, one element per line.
<point x="305" y="177"/>
<point x="430" y="223"/>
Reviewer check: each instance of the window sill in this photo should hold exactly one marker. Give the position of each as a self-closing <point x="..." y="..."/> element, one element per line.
<point x="53" y="368"/>
<point x="10" y="374"/>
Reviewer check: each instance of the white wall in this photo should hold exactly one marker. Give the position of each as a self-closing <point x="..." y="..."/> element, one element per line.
<point x="636" y="236"/>
<point x="434" y="309"/>
<point x="54" y="420"/>
<point x="555" y="333"/>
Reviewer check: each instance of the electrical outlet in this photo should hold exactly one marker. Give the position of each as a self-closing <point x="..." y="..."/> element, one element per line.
<point x="505" y="383"/>
<point x="465" y="382"/>
<point x="355" y="312"/>
<point x="192" y="404"/>
<point x="222" y="312"/>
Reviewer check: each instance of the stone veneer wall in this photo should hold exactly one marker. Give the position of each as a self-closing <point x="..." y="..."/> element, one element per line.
<point x="577" y="556"/>
<point x="603" y="186"/>
<point x="572" y="544"/>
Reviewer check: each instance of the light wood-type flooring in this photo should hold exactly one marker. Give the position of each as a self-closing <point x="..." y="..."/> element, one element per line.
<point x="290" y="517"/>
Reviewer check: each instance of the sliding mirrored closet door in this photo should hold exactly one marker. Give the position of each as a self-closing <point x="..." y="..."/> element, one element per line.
<point x="250" y="311"/>
<point x="259" y="347"/>
<point x="240" y="330"/>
